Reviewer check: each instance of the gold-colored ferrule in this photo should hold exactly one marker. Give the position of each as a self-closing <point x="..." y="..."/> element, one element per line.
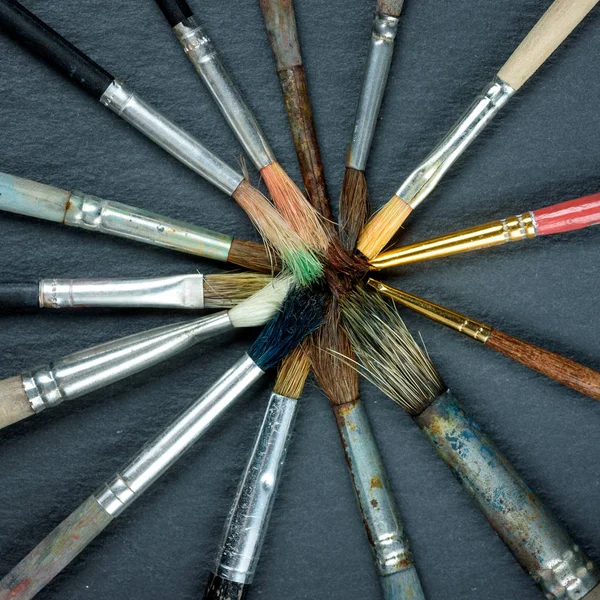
<point x="473" y="329"/>
<point x="512" y="229"/>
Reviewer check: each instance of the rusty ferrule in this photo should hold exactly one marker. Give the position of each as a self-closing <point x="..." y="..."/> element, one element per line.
<point x="373" y="89"/>
<point x="421" y="182"/>
<point x="170" y="137"/>
<point x="556" y="563"/>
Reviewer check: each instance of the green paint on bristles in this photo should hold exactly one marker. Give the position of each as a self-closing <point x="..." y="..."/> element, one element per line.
<point x="304" y="265"/>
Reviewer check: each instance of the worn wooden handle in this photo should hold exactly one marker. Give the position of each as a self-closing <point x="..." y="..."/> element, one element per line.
<point x="566" y="371"/>
<point x="568" y="216"/>
<point x="547" y="35"/>
<point x="280" y="21"/>
<point x="14" y="403"/>
<point x="223" y="589"/>
<point x="392" y="8"/>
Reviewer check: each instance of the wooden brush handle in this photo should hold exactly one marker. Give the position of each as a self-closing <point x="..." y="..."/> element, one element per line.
<point x="223" y="589"/>
<point x="593" y="595"/>
<point x="559" y="368"/>
<point x="568" y="216"/>
<point x="393" y="8"/>
<point x="175" y="11"/>
<point x="55" y="552"/>
<point x="546" y="36"/>
<point x="14" y="403"/>
<point x="19" y="295"/>
<point x="280" y="21"/>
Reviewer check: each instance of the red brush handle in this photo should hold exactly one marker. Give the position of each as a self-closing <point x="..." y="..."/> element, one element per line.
<point x="568" y="216"/>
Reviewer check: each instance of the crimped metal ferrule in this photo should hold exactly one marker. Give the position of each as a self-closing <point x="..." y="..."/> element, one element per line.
<point x="95" y="214"/>
<point x="248" y="519"/>
<point x="162" y="452"/>
<point x="557" y="564"/>
<point x="83" y="372"/>
<point x="206" y="61"/>
<point x="172" y="138"/>
<point x="425" y="177"/>
<point x="373" y="89"/>
<point x="177" y="291"/>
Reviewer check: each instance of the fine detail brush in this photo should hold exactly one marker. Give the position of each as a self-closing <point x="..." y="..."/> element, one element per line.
<point x="301" y="313"/>
<point x="393" y="361"/>
<point x="85" y="211"/>
<point x="354" y="202"/>
<point x="40" y="39"/>
<point x="248" y="519"/>
<point x="561" y="369"/>
<point x="88" y="370"/>
<point x="545" y="37"/>
<point x="202" y="53"/>
<point x="558" y="218"/>
<point x="190" y="292"/>
<point x="394" y="563"/>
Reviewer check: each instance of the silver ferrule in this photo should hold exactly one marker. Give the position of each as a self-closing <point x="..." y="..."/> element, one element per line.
<point x="421" y="182"/>
<point x="95" y="214"/>
<point x="161" y="453"/>
<point x="94" y="368"/>
<point x="170" y="137"/>
<point x="544" y="549"/>
<point x="249" y="516"/>
<point x="178" y="291"/>
<point x="373" y="89"/>
<point x="203" y="55"/>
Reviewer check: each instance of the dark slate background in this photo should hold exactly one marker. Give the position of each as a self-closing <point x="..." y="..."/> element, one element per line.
<point x="542" y="149"/>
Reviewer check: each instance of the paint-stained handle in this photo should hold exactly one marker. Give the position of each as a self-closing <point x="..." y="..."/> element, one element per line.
<point x="175" y="11"/>
<point x="42" y="40"/>
<point x="19" y="295"/>
<point x="393" y="8"/>
<point x="14" y="403"/>
<point x="223" y="589"/>
<point x="568" y="216"/>
<point x="546" y="36"/>
<point x="55" y="552"/>
<point x="280" y="21"/>
<point x="402" y="585"/>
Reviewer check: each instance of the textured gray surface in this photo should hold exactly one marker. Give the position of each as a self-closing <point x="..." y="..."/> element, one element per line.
<point x="542" y="149"/>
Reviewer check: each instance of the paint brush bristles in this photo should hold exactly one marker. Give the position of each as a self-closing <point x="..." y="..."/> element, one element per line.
<point x="253" y="256"/>
<point x="225" y="290"/>
<point x="292" y="373"/>
<point x="354" y="207"/>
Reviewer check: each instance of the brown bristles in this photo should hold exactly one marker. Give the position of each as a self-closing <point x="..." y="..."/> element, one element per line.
<point x="292" y="373"/>
<point x="354" y="207"/>
<point x="347" y="263"/>
<point x="228" y="289"/>
<point x="382" y="227"/>
<point x="253" y="256"/>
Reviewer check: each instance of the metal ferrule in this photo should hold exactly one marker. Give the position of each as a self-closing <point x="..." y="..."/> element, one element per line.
<point x="248" y="519"/>
<point x="426" y="176"/>
<point x="495" y="233"/>
<point x="94" y="368"/>
<point x="95" y="214"/>
<point x="559" y="567"/>
<point x="170" y="137"/>
<point x="371" y="95"/>
<point x="204" y="57"/>
<point x="376" y="501"/>
<point x="161" y="453"/>
<point x="178" y="291"/>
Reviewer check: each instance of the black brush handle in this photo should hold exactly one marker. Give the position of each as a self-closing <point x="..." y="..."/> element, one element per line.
<point x="20" y="295"/>
<point x="175" y="11"/>
<point x="23" y="26"/>
<point x="223" y="589"/>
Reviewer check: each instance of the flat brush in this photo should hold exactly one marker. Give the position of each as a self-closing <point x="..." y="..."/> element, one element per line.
<point x="85" y="211"/>
<point x="46" y="43"/>
<point x="248" y="519"/>
<point x="545" y="37"/>
<point x="301" y="314"/>
<point x="354" y="202"/>
<point x="88" y="370"/>
<point x="394" y="563"/>
<point x="558" y="218"/>
<point x="393" y="361"/>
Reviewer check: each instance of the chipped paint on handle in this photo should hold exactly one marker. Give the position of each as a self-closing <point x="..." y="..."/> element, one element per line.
<point x="280" y="21"/>
<point x="543" y="548"/>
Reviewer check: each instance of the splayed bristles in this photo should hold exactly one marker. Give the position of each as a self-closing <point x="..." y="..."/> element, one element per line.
<point x="225" y="290"/>
<point x="292" y="373"/>
<point x="263" y="305"/>
<point x="253" y="256"/>
<point x="354" y="207"/>
<point x="382" y="227"/>
<point x="390" y="357"/>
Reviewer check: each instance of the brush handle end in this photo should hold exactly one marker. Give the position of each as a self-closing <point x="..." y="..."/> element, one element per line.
<point x="14" y="403"/>
<point x="391" y="8"/>
<point x="593" y="595"/>
<point x="223" y="589"/>
<point x="19" y="295"/>
<point x="175" y="11"/>
<point x="402" y="585"/>
<point x="568" y="216"/>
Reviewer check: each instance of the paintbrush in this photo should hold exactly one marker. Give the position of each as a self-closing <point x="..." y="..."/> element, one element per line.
<point x="393" y="361"/>
<point x="545" y="37"/>
<point x="558" y="218"/>
<point x="300" y="315"/>
<point x="202" y="53"/>
<point x="397" y="573"/>
<point x="246" y="526"/>
<point x="56" y="51"/>
<point x="190" y="292"/>
<point x="85" y="211"/>
<point x="88" y="370"/>
<point x="354" y="202"/>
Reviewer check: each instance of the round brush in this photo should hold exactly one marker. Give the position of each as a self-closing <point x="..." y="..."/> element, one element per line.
<point x="301" y="314"/>
<point x="558" y="218"/>
<point x="88" y="370"/>
<point x="38" y="37"/>
<point x="545" y="37"/>
<point x="393" y="361"/>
